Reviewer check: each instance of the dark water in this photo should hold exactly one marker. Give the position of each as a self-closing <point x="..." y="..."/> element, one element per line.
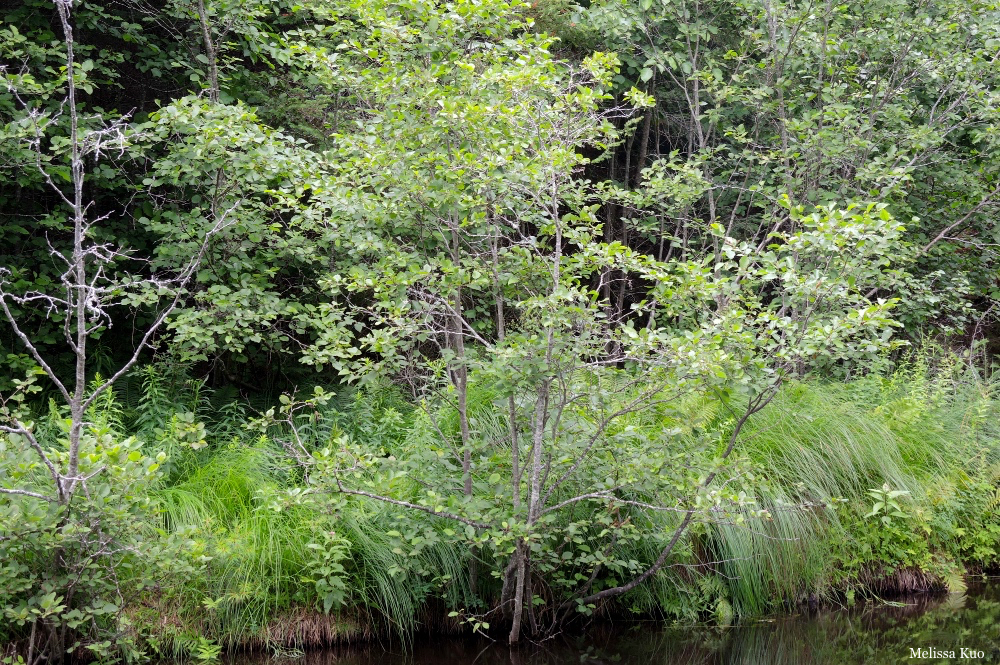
<point x="925" y="630"/>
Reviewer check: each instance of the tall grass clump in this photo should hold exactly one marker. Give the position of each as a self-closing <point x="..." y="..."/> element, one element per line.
<point x="821" y="449"/>
<point x="255" y="554"/>
<point x="229" y="488"/>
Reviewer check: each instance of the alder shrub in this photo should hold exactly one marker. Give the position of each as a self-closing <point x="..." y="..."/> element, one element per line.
<point x="482" y="262"/>
<point x="72" y="569"/>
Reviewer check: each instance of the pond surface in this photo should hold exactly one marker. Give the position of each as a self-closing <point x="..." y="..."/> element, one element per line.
<point x="925" y="630"/>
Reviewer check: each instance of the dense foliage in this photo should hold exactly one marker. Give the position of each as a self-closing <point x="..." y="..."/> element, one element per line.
<point x="331" y="318"/>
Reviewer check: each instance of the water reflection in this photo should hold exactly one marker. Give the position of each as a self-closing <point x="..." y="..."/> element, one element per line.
<point x="923" y="631"/>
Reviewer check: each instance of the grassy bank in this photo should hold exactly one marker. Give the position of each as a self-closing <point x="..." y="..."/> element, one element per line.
<point x="815" y="457"/>
<point x="884" y="484"/>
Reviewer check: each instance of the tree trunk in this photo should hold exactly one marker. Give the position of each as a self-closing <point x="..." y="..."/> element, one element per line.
<point x="640" y="162"/>
<point x="211" y="53"/>
<point x="515" y="628"/>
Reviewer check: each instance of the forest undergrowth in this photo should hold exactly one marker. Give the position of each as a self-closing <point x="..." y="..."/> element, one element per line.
<point x="867" y="488"/>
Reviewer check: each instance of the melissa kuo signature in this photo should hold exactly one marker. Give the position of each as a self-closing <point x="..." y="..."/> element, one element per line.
<point x="931" y="652"/>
